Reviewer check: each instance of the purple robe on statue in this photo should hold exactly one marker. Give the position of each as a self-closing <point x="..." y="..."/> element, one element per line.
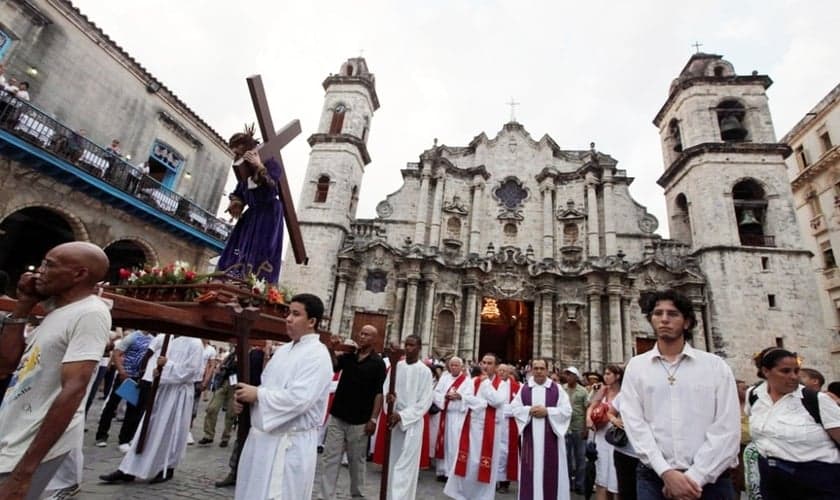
<point x="256" y="242"/>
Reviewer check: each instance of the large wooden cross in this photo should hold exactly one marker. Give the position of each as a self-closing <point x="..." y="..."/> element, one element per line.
<point x="273" y="142"/>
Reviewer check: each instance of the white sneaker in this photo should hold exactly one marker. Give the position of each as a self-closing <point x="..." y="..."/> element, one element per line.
<point x="124" y="447"/>
<point x="190" y="439"/>
<point x="101" y="444"/>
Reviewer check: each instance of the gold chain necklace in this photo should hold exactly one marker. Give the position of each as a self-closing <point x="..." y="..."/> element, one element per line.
<point x="671" y="373"/>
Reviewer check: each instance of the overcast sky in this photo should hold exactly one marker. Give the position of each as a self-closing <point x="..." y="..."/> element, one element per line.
<point x="582" y="71"/>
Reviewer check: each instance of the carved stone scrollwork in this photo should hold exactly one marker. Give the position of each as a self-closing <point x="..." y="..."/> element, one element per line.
<point x="456" y="206"/>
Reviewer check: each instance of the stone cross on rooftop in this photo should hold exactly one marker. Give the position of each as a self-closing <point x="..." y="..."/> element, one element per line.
<point x="697" y="46"/>
<point x="273" y="142"/>
<point x="512" y="105"/>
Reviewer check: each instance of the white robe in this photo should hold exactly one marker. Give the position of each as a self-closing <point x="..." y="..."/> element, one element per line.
<point x="558" y="418"/>
<point x="414" y="397"/>
<point x="279" y="457"/>
<point x="469" y="487"/>
<point x="169" y="424"/>
<point x="454" y="421"/>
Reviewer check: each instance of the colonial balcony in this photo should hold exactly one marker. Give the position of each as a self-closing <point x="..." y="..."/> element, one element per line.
<point x="33" y="138"/>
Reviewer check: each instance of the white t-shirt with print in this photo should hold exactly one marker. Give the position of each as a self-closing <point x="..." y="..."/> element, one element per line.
<point x="208" y="354"/>
<point x="78" y="331"/>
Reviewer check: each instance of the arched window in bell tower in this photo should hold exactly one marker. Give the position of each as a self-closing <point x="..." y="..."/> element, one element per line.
<point x="730" y="115"/>
<point x="682" y="219"/>
<point x="338" y="119"/>
<point x="322" y="189"/>
<point x="750" y="202"/>
<point x="674" y="135"/>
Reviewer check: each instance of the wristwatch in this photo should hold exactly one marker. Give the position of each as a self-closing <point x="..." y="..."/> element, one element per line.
<point x="9" y="319"/>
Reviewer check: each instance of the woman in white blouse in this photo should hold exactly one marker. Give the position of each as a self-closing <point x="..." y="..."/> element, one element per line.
<point x="799" y="458"/>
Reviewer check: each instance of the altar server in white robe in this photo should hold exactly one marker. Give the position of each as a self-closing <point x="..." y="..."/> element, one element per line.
<point x="412" y="399"/>
<point x="542" y="412"/>
<point x="451" y="416"/>
<point x="279" y="458"/>
<point x="473" y="476"/>
<point x="169" y="423"/>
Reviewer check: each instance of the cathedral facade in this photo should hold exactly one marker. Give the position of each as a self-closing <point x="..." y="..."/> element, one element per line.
<point x="513" y="245"/>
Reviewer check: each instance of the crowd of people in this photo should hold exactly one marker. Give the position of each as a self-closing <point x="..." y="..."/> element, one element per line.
<point x="672" y="423"/>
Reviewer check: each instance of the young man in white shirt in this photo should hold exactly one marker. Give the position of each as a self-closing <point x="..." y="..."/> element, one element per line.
<point x="680" y="409"/>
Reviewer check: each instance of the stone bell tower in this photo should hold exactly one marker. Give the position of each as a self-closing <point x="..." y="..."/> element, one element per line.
<point x="728" y="197"/>
<point x="330" y="193"/>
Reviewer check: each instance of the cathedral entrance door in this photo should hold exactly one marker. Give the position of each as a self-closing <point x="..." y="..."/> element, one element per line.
<point x="378" y="321"/>
<point x="507" y="329"/>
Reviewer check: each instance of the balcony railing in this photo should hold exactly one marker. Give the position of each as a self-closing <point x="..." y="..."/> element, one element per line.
<point x="25" y="121"/>
<point x="758" y="240"/>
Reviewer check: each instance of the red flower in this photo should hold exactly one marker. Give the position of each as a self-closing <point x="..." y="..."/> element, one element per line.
<point x="124" y="273"/>
<point x="189" y="275"/>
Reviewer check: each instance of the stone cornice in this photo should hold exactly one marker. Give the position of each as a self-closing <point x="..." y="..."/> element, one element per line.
<point x="829" y="159"/>
<point x="341" y="138"/>
<point x="354" y="80"/>
<point x="686" y="83"/>
<point x="719" y="147"/>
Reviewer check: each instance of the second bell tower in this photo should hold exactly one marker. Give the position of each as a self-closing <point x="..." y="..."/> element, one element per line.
<point x="330" y="192"/>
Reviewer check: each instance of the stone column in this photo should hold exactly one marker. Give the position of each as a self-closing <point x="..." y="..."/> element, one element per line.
<point x="596" y="346"/>
<point x="547" y="189"/>
<point x="592" y="230"/>
<point x="538" y="329"/>
<point x="422" y="204"/>
<point x="428" y="309"/>
<point x="410" y="307"/>
<point x="616" y="351"/>
<point x="467" y="348"/>
<point x="609" y="218"/>
<point x="700" y="340"/>
<point x="399" y="306"/>
<point x="625" y="326"/>
<point x="434" y="235"/>
<point x="338" y="304"/>
<point x="547" y="320"/>
<point x="475" y="216"/>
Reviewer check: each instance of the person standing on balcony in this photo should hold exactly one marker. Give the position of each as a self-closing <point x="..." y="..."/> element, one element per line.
<point x="255" y="244"/>
<point x="23" y="91"/>
<point x="112" y="153"/>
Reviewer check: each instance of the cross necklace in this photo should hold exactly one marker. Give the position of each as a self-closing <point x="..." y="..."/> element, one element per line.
<point x="671" y="372"/>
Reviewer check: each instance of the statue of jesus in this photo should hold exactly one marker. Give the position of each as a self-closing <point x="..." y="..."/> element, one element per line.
<point x="255" y="245"/>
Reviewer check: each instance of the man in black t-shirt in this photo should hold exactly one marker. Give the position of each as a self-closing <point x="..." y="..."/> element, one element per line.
<point x="352" y="420"/>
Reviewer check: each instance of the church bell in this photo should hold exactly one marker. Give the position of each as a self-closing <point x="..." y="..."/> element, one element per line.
<point x="731" y="129"/>
<point x="748" y="218"/>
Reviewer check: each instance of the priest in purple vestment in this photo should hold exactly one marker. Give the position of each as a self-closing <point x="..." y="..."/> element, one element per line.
<point x="542" y="412"/>
<point x="256" y="242"/>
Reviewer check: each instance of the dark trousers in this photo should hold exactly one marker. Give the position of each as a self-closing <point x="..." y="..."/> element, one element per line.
<point x="576" y="454"/>
<point x="110" y="375"/>
<point x="625" y="471"/>
<point x="782" y="480"/>
<point x="100" y="374"/>
<point x="244" y="420"/>
<point x="133" y="414"/>
<point x="649" y="486"/>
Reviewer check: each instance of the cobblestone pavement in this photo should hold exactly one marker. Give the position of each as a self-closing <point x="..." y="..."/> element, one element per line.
<point x="201" y="467"/>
